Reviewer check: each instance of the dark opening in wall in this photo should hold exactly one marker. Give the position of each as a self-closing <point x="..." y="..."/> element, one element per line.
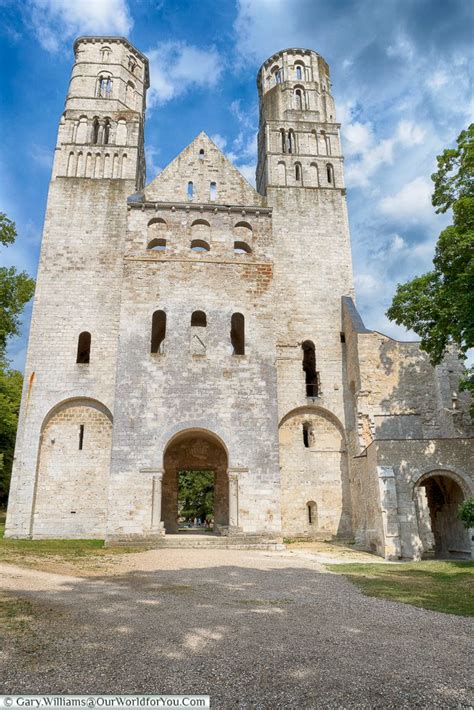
<point x="306" y="432"/>
<point x="158" y="331"/>
<point x="81" y="436"/>
<point x="199" y="319"/>
<point x="343" y="337"/>
<point x="237" y="333"/>
<point x="84" y="348"/>
<point x="309" y="367"/>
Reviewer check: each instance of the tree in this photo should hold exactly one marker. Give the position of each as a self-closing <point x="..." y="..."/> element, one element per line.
<point x="439" y="305"/>
<point x="196" y="494"/>
<point x="466" y="513"/>
<point x="16" y="289"/>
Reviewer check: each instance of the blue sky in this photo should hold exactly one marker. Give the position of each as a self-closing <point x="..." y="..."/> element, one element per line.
<point x="401" y="74"/>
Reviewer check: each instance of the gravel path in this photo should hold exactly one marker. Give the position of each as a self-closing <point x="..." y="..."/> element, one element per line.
<point x="252" y="629"/>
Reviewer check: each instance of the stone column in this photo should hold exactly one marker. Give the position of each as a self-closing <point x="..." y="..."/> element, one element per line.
<point x="233" y="500"/>
<point x="156" y="474"/>
<point x="389" y="510"/>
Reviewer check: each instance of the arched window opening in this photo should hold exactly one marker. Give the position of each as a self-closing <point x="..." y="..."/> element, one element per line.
<point x="276" y="73"/>
<point x="327" y="142"/>
<point x="243" y="232"/>
<point x="104" y="86"/>
<point x="297" y="172"/>
<point x="299" y="72"/>
<point x="283" y="140"/>
<point x="241" y="248"/>
<point x="132" y="64"/>
<point x="291" y="141"/>
<point x="198" y="319"/>
<point x="106" y="131"/>
<point x="309" y="368"/>
<point x="237" y="333"/>
<point x="95" y="131"/>
<point x="213" y="191"/>
<point x="157" y="245"/>
<point x="307" y="435"/>
<point x="190" y="191"/>
<point x="201" y="154"/>
<point x="299" y="99"/>
<point x="312" y="513"/>
<point x="105" y="54"/>
<point x="315" y="142"/>
<point x="330" y="174"/>
<point x="158" y="332"/>
<point x="130" y="93"/>
<point x="83" y="348"/>
<point x="156" y="231"/>
<point x="81" y="437"/>
<point x="199" y="245"/>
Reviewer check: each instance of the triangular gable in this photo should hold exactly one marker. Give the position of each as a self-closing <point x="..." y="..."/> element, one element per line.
<point x="202" y="163"/>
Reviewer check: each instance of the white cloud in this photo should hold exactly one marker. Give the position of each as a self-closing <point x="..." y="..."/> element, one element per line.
<point x="248" y="171"/>
<point x="152" y="167"/>
<point x="358" y="138"/>
<point x="219" y="140"/>
<point x="409" y="133"/>
<point x="437" y="80"/>
<point x="175" y="67"/>
<point x="412" y="203"/>
<point x="57" y="21"/>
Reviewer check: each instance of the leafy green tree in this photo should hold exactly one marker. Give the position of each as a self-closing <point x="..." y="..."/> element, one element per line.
<point x="196" y="494"/>
<point x="16" y="289"/>
<point x="439" y="305"/>
<point x="466" y="513"/>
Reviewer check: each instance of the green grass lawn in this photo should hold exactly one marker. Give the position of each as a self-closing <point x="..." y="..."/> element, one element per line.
<point x="31" y="551"/>
<point x="446" y="586"/>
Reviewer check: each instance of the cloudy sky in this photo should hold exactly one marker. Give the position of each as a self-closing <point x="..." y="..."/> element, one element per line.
<point x="401" y="74"/>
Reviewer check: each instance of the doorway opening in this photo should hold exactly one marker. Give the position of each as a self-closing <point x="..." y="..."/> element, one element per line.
<point x="196" y="501"/>
<point x="195" y="489"/>
<point x="442" y="534"/>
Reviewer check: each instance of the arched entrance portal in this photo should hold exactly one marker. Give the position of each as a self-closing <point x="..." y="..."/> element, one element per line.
<point x="195" y="451"/>
<point x="438" y="496"/>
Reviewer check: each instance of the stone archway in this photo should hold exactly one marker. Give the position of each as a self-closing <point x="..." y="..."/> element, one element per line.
<point x="438" y="496"/>
<point x="199" y="450"/>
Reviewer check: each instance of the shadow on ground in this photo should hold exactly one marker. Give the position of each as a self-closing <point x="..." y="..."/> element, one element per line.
<point x="264" y="633"/>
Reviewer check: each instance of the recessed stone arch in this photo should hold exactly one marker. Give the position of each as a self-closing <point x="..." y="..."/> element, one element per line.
<point x="72" y="471"/>
<point x="201" y="231"/>
<point x="314" y="469"/>
<point x="438" y="494"/>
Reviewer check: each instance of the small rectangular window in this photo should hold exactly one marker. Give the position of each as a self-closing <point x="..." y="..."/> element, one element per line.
<point x="81" y="436"/>
<point x="213" y="191"/>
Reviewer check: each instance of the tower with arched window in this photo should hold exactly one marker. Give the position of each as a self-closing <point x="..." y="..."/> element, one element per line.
<point x="195" y="325"/>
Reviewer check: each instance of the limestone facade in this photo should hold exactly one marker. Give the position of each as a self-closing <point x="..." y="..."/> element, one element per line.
<point x="196" y="323"/>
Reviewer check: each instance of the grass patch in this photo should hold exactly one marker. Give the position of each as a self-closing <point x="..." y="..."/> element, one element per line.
<point x="446" y="586"/>
<point x="33" y="552"/>
<point x="15" y="614"/>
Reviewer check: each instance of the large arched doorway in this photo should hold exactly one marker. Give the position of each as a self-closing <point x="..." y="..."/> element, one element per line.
<point x="197" y="454"/>
<point x="438" y="496"/>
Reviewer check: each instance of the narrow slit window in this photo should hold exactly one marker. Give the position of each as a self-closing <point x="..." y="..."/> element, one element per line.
<point x="298" y="172"/>
<point x="237" y="334"/>
<point x="299" y="74"/>
<point x="84" y="349"/>
<point x="201" y="154"/>
<point x="81" y="436"/>
<point x="283" y="140"/>
<point x="306" y="435"/>
<point x="190" y="191"/>
<point x="158" y="332"/>
<point x="330" y="174"/>
<point x="309" y="368"/>
<point x="213" y="191"/>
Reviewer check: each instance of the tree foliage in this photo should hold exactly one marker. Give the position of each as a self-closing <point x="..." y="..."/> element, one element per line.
<point x="439" y="305"/>
<point x="196" y="494"/>
<point x="16" y="289"/>
<point x="466" y="513"/>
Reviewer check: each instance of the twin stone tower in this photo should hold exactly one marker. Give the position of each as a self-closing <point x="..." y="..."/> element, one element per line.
<point x="195" y="323"/>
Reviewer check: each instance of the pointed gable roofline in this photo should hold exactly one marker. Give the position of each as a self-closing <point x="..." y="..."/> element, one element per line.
<point x="202" y="163"/>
